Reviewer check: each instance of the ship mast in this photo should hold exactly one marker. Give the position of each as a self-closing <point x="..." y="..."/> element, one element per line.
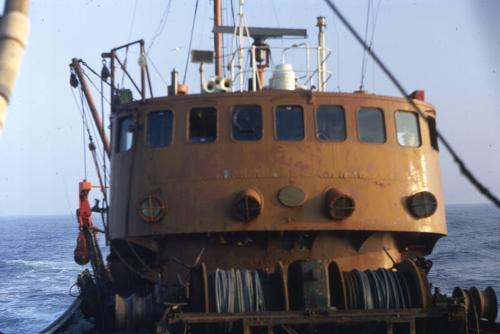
<point x="218" y="38"/>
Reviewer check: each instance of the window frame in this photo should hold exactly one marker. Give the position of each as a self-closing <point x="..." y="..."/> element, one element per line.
<point x="188" y="124"/>
<point x="383" y="123"/>
<point x="419" y="128"/>
<point x="275" y="125"/>
<point x="433" y="134"/>
<point x="316" y="127"/>
<point x="231" y="112"/>
<point x="172" y="136"/>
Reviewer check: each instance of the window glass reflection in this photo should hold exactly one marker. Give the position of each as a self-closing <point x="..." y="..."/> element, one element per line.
<point x="330" y="123"/>
<point x="125" y="134"/>
<point x="371" y="125"/>
<point x="407" y="129"/>
<point x="159" y="132"/>
<point x="289" y="123"/>
<point x="247" y="122"/>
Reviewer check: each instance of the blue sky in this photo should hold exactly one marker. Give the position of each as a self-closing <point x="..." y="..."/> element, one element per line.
<point x="450" y="48"/>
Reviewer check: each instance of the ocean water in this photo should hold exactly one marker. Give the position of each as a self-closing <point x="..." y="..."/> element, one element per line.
<point x="37" y="268"/>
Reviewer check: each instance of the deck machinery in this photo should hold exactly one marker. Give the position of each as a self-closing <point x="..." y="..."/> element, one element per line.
<point x="271" y="206"/>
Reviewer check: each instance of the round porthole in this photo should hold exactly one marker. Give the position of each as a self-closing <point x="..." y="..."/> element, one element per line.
<point x="339" y="206"/>
<point x="151" y="208"/>
<point x="248" y="205"/>
<point x="422" y="204"/>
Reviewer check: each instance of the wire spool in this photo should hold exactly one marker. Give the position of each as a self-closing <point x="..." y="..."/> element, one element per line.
<point x="338" y="291"/>
<point x="199" y="293"/>
<point x="237" y="291"/>
<point x="485" y="303"/>
<point x="419" y="287"/>
<point x="402" y="287"/>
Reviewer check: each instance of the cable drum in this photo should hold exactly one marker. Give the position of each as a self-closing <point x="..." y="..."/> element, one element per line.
<point x="402" y="287"/>
<point x="237" y="291"/>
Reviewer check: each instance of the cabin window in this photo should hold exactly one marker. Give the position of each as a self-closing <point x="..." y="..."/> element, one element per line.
<point x="160" y="128"/>
<point x="290" y="123"/>
<point x="407" y="129"/>
<point x="247" y="122"/>
<point x="371" y="125"/>
<point x="431" y="123"/>
<point x="202" y="125"/>
<point x="330" y="123"/>
<point x="125" y="133"/>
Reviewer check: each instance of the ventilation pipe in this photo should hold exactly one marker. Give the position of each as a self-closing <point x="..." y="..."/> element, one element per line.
<point x="14" y="28"/>
<point x="321" y="53"/>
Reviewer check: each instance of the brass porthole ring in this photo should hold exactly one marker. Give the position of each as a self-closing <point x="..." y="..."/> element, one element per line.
<point x="151" y="208"/>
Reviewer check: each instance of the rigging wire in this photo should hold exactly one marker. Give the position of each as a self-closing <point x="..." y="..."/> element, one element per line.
<point x="374" y="26"/>
<point x="132" y="22"/>
<point x="161" y="26"/>
<point x="275" y="12"/>
<point x="150" y="61"/>
<point x="337" y="40"/>
<point x="461" y="164"/>
<point x="100" y="91"/>
<point x="364" y="59"/>
<point x="190" y="42"/>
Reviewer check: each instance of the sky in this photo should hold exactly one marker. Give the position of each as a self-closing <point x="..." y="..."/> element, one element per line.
<point x="449" y="48"/>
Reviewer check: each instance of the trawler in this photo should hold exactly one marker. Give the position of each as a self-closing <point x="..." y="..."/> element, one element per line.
<point x="263" y="203"/>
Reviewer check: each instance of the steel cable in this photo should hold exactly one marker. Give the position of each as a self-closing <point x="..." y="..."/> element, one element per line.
<point x="190" y="42"/>
<point x="377" y="289"/>
<point x="461" y="165"/>
<point x="238" y="291"/>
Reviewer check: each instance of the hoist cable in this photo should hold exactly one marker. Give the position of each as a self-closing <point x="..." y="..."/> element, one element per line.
<point x="105" y="190"/>
<point x="95" y="73"/>
<point x="461" y="165"/>
<point x="95" y="86"/>
<point x="190" y="42"/>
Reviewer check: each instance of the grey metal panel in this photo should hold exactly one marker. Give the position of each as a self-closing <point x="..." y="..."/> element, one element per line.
<point x="264" y="32"/>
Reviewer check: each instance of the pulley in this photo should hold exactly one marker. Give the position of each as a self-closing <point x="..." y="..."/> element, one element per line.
<point x="73" y="81"/>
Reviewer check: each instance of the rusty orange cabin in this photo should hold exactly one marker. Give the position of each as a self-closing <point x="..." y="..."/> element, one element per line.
<point x="353" y="170"/>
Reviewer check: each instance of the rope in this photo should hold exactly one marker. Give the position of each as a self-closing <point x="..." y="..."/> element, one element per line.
<point x="461" y="165"/>
<point x="190" y="42"/>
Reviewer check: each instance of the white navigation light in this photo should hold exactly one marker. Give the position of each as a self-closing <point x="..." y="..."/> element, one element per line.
<point x="283" y="77"/>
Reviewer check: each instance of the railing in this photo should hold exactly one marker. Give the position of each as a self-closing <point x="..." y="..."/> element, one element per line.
<point x="306" y="75"/>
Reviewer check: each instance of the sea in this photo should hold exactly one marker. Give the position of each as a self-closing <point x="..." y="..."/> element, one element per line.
<point x="37" y="271"/>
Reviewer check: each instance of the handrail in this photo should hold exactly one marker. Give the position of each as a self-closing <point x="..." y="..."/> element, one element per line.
<point x="62" y="320"/>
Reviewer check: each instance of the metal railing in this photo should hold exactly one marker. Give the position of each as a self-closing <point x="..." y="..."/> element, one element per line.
<point x="306" y="75"/>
